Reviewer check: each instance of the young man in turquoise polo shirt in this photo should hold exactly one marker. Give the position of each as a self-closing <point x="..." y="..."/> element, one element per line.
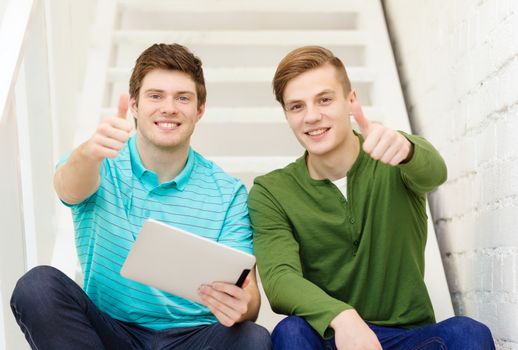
<point x="113" y="182"/>
<point x="340" y="234"/>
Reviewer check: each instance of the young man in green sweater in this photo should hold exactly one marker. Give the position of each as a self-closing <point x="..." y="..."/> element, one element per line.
<point x="340" y="233"/>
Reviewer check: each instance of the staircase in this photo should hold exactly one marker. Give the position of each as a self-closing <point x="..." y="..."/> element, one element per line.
<point x="240" y="43"/>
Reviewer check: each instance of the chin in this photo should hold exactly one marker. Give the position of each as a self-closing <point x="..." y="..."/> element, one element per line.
<point x="165" y="143"/>
<point x="319" y="150"/>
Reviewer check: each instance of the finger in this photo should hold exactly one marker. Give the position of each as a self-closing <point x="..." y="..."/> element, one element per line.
<point x="123" y="106"/>
<point x="398" y="158"/>
<point x="231" y="295"/>
<point x="101" y="152"/>
<point x="223" y="308"/>
<point x="223" y="318"/>
<point x="390" y="153"/>
<point x="109" y="129"/>
<point x="371" y="140"/>
<point x="247" y="280"/>
<point x="230" y="289"/>
<point x="119" y="123"/>
<point x="108" y="142"/>
<point x="360" y="118"/>
<point x="387" y="139"/>
<point x="217" y="305"/>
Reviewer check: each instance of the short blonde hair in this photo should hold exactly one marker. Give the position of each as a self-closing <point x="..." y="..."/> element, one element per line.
<point x="302" y="60"/>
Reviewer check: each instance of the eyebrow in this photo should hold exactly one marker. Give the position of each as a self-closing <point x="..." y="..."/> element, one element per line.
<point x="163" y="91"/>
<point x="323" y="92"/>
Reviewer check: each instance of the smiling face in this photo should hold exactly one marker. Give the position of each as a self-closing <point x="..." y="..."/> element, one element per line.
<point x="166" y="110"/>
<point x="317" y="110"/>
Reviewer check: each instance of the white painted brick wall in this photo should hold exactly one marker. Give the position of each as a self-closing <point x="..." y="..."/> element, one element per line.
<point x="459" y="65"/>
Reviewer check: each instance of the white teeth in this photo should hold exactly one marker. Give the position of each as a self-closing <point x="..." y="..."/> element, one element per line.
<point x="316" y="132"/>
<point x="168" y="125"/>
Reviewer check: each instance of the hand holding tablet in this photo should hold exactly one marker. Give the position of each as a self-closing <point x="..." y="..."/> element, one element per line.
<point x="180" y="262"/>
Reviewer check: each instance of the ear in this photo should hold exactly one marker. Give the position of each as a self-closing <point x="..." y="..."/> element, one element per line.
<point x="351" y="96"/>
<point x="200" y="112"/>
<point x="134" y="107"/>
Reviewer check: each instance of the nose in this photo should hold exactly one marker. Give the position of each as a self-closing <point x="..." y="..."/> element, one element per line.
<point x="168" y="106"/>
<point x="312" y="115"/>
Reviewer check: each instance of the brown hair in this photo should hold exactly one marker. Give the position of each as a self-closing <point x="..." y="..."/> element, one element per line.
<point x="169" y="57"/>
<point x="302" y="60"/>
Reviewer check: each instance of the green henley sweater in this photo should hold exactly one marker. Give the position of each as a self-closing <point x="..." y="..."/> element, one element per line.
<point x="319" y="254"/>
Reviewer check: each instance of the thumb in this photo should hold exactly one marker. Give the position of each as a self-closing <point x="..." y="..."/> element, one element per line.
<point x="360" y="118"/>
<point x="247" y="280"/>
<point x="123" y="106"/>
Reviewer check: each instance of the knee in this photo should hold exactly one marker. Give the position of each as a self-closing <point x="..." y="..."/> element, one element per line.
<point x="255" y="336"/>
<point x="35" y="285"/>
<point x="292" y="327"/>
<point x="477" y="333"/>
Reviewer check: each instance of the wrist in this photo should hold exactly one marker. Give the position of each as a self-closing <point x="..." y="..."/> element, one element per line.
<point x="343" y="318"/>
<point x="86" y="154"/>
<point x="410" y="153"/>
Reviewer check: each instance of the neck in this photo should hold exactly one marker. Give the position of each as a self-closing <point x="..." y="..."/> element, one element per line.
<point x="167" y="163"/>
<point x="334" y="165"/>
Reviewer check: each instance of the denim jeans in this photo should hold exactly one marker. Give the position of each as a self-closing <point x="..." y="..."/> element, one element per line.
<point x="55" y="313"/>
<point x="456" y="333"/>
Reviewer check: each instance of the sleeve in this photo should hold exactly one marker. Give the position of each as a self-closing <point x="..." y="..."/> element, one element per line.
<point x="236" y="231"/>
<point x="426" y="170"/>
<point x="280" y="268"/>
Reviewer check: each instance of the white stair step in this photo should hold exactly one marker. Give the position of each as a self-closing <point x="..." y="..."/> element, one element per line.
<point x="244" y="55"/>
<point x="245" y="140"/>
<point x="139" y="20"/>
<point x="232" y="6"/>
<point x="226" y="15"/>
<point x="241" y="74"/>
<point x="237" y="38"/>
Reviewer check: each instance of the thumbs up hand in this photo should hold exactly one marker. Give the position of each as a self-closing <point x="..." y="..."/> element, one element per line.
<point x="111" y="134"/>
<point x="382" y="143"/>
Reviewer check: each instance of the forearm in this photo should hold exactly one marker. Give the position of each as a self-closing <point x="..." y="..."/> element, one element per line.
<point x="352" y="331"/>
<point x="292" y="294"/>
<point x="280" y="267"/>
<point x="253" y="307"/>
<point x="78" y="178"/>
<point x="254" y="303"/>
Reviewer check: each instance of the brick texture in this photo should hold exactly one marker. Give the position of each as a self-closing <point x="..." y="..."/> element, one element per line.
<point x="459" y="68"/>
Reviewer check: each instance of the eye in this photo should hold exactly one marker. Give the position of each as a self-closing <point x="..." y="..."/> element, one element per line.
<point x="183" y="98"/>
<point x="155" y="96"/>
<point x="326" y="100"/>
<point x="294" y="107"/>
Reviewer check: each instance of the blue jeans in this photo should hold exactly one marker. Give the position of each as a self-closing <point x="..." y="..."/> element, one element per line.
<point x="456" y="333"/>
<point x="55" y="313"/>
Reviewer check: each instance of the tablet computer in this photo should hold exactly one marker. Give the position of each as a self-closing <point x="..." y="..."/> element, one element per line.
<point x="178" y="262"/>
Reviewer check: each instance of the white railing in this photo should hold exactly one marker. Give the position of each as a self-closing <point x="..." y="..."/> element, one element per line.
<point x="18" y="240"/>
<point x="12" y="34"/>
<point x="43" y="46"/>
<point x="38" y="84"/>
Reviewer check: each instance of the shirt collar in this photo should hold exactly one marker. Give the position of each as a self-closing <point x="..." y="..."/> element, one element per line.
<point x="182" y="178"/>
<point x="136" y="164"/>
<point x="303" y="168"/>
<point x="139" y="170"/>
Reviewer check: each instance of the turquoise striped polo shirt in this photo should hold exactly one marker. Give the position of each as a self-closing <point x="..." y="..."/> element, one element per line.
<point x="202" y="199"/>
